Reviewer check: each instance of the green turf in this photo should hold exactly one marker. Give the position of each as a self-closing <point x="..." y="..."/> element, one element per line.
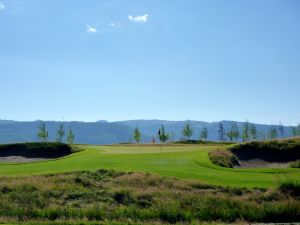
<point x="182" y="161"/>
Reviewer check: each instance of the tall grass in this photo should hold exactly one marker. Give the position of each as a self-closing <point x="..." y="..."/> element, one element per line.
<point x="223" y="158"/>
<point x="140" y="198"/>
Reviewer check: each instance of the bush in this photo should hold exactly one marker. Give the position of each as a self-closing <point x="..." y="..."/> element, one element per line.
<point x="291" y="187"/>
<point x="124" y="197"/>
<point x="295" y="164"/>
<point x="223" y="158"/>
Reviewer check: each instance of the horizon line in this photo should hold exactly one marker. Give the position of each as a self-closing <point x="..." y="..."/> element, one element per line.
<point x="165" y="120"/>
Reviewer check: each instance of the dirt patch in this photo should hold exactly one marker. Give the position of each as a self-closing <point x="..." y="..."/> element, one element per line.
<point x="33" y="152"/>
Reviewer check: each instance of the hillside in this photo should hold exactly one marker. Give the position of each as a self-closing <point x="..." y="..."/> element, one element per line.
<point x="150" y="127"/>
<point x="85" y="133"/>
<point x="103" y="132"/>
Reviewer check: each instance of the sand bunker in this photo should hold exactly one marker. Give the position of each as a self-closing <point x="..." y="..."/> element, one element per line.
<point x="33" y="152"/>
<point x="20" y="159"/>
<point x="253" y="158"/>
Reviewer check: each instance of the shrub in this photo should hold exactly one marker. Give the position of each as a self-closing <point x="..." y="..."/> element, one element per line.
<point x="124" y="197"/>
<point x="223" y="158"/>
<point x="291" y="187"/>
<point x="295" y="164"/>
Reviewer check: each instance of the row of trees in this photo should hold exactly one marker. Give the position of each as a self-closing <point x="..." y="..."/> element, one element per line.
<point x="60" y="133"/>
<point x="247" y="132"/>
<point x="162" y="135"/>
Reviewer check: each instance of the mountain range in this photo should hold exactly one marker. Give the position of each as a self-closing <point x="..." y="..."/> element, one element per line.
<point x="103" y="132"/>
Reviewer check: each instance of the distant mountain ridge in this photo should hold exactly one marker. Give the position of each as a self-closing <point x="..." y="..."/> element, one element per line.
<point x="104" y="132"/>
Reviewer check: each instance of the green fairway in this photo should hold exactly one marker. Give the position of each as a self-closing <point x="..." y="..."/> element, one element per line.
<point x="182" y="161"/>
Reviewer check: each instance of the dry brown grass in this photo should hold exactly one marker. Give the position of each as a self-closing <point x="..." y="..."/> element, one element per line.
<point x="223" y="158"/>
<point x="108" y="195"/>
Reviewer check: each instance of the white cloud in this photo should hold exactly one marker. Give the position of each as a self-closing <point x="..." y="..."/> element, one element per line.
<point x="2" y="6"/>
<point x="115" y="25"/>
<point x="138" y="19"/>
<point x="90" y="29"/>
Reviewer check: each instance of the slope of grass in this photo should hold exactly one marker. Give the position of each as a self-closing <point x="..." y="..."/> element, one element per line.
<point x="182" y="161"/>
<point x="223" y="158"/>
<point x="139" y="198"/>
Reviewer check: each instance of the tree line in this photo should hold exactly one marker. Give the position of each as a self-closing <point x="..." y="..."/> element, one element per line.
<point x="60" y="134"/>
<point x="247" y="132"/>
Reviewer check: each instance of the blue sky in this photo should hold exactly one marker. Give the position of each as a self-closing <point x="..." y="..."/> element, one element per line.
<point x="139" y="59"/>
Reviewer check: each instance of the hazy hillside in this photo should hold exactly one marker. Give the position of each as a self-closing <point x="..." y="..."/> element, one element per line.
<point x="85" y="133"/>
<point x="150" y="128"/>
<point x="103" y="132"/>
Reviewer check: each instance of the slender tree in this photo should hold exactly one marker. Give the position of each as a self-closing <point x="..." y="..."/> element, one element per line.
<point x="261" y="135"/>
<point x="204" y="134"/>
<point x="296" y="130"/>
<point x="43" y="133"/>
<point x="230" y="134"/>
<point x="253" y="132"/>
<point x="221" y="131"/>
<point x="245" y="132"/>
<point x="273" y="133"/>
<point x="235" y="131"/>
<point x="281" y="130"/>
<point x="163" y="135"/>
<point x="187" y="131"/>
<point x="60" y="133"/>
<point x="137" y="135"/>
<point x="70" y="136"/>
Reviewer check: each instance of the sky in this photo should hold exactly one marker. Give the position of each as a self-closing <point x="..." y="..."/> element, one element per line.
<point x="116" y="60"/>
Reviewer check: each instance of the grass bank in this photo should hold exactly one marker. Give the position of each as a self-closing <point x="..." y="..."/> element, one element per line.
<point x="139" y="198"/>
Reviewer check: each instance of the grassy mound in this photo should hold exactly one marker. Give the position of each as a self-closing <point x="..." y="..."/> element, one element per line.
<point x="223" y="158"/>
<point x="291" y="146"/>
<point x="36" y="150"/>
<point x="140" y="198"/>
<point x="280" y="153"/>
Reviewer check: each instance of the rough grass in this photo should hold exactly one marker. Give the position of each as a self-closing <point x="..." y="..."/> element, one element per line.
<point x="108" y="223"/>
<point x="223" y="158"/>
<point x="138" y="198"/>
<point x="290" y="186"/>
<point x="295" y="164"/>
<point x="285" y="145"/>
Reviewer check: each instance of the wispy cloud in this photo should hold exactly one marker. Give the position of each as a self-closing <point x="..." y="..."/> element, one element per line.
<point x="90" y="29"/>
<point x="138" y="18"/>
<point x="2" y="6"/>
<point x="115" y="25"/>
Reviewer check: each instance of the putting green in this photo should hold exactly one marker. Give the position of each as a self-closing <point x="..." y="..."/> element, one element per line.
<point x="181" y="161"/>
